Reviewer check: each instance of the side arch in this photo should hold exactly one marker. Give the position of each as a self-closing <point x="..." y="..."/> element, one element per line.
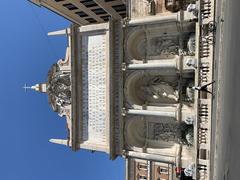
<point x="140" y="133"/>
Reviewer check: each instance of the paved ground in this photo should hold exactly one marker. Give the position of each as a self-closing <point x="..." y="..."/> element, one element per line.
<point x="227" y="144"/>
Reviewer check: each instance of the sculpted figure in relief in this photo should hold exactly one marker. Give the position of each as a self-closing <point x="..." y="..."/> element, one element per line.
<point x="164" y="46"/>
<point x="144" y="134"/>
<point x="173" y="132"/>
<point x="158" y="90"/>
<point x="60" y="88"/>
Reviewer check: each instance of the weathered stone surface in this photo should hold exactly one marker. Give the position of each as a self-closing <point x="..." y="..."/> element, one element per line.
<point x="94" y="88"/>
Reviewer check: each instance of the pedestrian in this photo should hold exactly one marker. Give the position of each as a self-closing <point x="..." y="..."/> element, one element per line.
<point x="203" y="88"/>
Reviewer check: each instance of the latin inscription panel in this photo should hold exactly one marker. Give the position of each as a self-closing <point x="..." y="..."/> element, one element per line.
<point x="94" y="88"/>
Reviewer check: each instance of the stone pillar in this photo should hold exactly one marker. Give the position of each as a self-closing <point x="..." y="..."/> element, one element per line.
<point x="172" y="114"/>
<point x="154" y="19"/>
<point x="164" y="65"/>
<point x="151" y="157"/>
<point x="126" y="169"/>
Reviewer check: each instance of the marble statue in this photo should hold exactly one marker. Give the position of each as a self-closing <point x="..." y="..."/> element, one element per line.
<point x="158" y="90"/>
<point x="173" y="132"/>
<point x="164" y="46"/>
<point x="59" y="87"/>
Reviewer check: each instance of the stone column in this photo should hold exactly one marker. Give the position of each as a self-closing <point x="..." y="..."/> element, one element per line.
<point x="151" y="157"/>
<point x="154" y="19"/>
<point x="126" y="169"/>
<point x="172" y="114"/>
<point x="164" y="65"/>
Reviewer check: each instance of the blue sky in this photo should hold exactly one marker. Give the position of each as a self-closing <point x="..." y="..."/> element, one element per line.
<point x="27" y="122"/>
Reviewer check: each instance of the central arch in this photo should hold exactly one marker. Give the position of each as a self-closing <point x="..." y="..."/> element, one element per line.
<point x="148" y="87"/>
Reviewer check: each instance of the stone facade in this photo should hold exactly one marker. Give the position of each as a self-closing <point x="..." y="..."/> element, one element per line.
<point x="137" y="87"/>
<point x="85" y="12"/>
<point x="144" y="169"/>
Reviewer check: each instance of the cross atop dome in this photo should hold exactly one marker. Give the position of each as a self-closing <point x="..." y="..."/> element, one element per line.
<point x="42" y="87"/>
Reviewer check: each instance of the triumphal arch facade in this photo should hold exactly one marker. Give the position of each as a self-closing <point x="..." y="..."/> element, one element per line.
<point x="128" y="85"/>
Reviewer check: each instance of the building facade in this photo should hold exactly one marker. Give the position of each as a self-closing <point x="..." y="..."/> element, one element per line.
<point x="133" y="85"/>
<point x="84" y="12"/>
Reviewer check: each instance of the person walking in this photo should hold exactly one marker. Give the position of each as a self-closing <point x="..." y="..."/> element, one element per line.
<point x="203" y="88"/>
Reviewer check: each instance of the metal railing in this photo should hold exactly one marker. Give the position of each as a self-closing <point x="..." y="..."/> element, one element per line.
<point x="204" y="53"/>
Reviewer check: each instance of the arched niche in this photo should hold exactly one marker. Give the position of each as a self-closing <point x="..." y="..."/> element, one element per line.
<point x="136" y="45"/>
<point x="144" y="133"/>
<point x="141" y="88"/>
<point x="156" y="41"/>
<point x="152" y="44"/>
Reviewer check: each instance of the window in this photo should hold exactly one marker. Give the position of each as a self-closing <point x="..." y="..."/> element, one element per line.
<point x="81" y="14"/>
<point x="163" y="170"/>
<point x="119" y="8"/>
<point x="91" y="20"/>
<point x="105" y="18"/>
<point x="142" y="166"/>
<point x="142" y="177"/>
<point x="99" y="11"/>
<point x="70" y="6"/>
<point x="123" y="14"/>
<point x="88" y="3"/>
